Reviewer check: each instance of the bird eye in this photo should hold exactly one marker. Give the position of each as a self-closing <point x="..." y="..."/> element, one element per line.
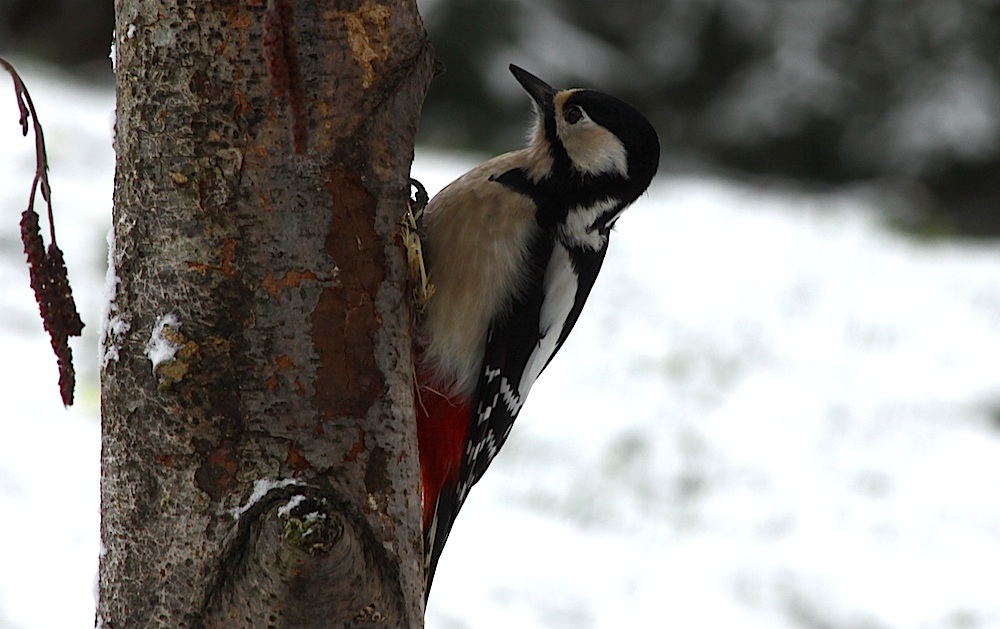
<point x="573" y="115"/>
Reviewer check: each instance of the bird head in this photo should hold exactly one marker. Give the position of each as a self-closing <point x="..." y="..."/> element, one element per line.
<point x="591" y="134"/>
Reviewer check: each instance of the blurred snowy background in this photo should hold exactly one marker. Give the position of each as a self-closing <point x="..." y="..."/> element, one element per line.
<point x="779" y="409"/>
<point x="902" y="92"/>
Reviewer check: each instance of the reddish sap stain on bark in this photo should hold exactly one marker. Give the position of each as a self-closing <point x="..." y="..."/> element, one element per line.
<point x="344" y="323"/>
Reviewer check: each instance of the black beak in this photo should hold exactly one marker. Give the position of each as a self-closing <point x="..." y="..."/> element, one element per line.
<point x="540" y="91"/>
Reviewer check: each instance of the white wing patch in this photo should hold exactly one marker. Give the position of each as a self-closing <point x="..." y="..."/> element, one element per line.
<point x="491" y="444"/>
<point x="510" y="397"/>
<point x="560" y="286"/>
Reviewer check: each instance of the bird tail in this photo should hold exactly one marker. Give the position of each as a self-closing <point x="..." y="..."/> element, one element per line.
<point x="442" y="427"/>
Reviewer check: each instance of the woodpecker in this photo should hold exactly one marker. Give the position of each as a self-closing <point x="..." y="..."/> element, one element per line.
<point x="512" y="249"/>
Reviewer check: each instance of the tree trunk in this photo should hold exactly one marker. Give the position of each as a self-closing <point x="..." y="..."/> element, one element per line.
<point x="259" y="462"/>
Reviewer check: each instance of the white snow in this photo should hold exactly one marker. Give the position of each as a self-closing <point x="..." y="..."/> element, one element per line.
<point x="160" y="348"/>
<point x="774" y="412"/>
<point x="260" y="489"/>
<point x="113" y="326"/>
<point x="293" y="502"/>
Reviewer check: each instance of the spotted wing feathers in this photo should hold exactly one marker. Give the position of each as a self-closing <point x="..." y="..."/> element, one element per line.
<point x="522" y="342"/>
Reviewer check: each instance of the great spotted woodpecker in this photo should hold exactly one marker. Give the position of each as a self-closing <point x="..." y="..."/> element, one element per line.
<point x="512" y="249"/>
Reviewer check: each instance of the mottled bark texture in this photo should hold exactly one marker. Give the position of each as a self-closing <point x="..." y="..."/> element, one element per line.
<point x="263" y="154"/>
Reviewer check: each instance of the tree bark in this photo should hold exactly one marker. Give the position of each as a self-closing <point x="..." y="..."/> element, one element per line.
<point x="259" y="463"/>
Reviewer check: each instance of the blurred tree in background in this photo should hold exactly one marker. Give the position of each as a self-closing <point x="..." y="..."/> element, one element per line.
<point x="832" y="91"/>
<point x="69" y="32"/>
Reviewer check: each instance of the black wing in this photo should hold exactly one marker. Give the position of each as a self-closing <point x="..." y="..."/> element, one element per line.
<point x="522" y="342"/>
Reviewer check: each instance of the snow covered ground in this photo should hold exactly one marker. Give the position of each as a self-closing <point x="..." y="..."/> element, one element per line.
<point x="775" y="412"/>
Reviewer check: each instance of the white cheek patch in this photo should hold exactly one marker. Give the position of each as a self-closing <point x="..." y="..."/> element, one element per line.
<point x="592" y="149"/>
